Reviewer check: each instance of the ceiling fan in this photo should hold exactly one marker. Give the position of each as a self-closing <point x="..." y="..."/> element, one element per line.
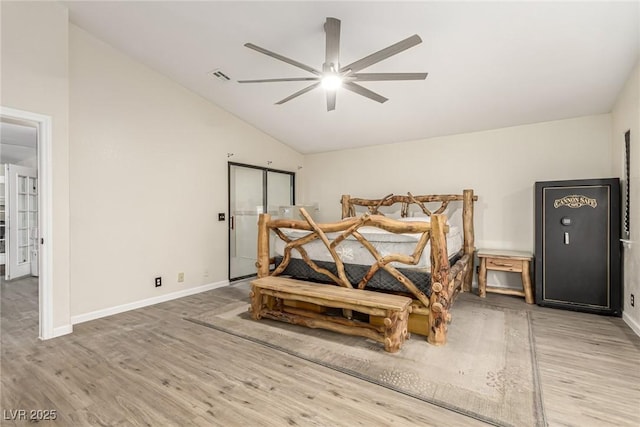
<point x="333" y="75"/>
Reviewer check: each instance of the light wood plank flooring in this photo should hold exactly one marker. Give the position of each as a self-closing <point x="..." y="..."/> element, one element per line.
<point x="151" y="367"/>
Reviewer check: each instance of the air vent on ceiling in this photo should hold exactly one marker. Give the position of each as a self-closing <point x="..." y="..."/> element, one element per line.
<point x="218" y="74"/>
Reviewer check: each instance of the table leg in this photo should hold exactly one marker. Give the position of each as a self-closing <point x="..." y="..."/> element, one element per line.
<point x="526" y="283"/>
<point x="482" y="278"/>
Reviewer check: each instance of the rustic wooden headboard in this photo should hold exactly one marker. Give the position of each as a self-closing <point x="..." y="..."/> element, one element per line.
<point x="467" y="198"/>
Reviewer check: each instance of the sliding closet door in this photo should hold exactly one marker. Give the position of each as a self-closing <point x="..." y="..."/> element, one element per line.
<point x="280" y="190"/>
<point x="246" y="202"/>
<point x="252" y="191"/>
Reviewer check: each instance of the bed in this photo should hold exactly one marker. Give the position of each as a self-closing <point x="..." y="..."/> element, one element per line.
<point x="357" y="259"/>
<point x="412" y="250"/>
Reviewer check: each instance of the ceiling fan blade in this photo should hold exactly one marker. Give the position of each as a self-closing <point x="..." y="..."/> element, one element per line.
<point x="283" y="58"/>
<point x="331" y="100"/>
<point x="298" y="93"/>
<point x="364" y="92"/>
<point x="372" y="77"/>
<point x="286" y="79"/>
<point x="382" y="54"/>
<point x="332" y="51"/>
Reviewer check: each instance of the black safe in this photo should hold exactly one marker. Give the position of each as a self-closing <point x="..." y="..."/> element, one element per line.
<point x="578" y="262"/>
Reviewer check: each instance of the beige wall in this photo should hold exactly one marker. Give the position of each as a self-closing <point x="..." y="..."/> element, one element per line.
<point x="501" y="166"/>
<point x="148" y="169"/>
<point x="35" y="79"/>
<point x="626" y="116"/>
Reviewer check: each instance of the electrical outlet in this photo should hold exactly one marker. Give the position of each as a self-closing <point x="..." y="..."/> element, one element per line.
<point x="633" y="301"/>
<point x="180" y="277"/>
<point x="206" y="273"/>
<point x="158" y="282"/>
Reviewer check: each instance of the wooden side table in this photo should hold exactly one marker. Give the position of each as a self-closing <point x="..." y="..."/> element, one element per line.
<point x="503" y="260"/>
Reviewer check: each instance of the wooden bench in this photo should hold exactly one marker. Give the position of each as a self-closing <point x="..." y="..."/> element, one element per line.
<point x="268" y="294"/>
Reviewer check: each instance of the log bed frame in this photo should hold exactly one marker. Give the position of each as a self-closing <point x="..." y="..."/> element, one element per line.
<point x="430" y="314"/>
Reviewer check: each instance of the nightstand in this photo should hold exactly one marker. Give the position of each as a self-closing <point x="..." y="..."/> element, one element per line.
<point x="504" y="260"/>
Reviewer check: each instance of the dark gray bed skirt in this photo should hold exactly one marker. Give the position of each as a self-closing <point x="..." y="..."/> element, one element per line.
<point x="382" y="280"/>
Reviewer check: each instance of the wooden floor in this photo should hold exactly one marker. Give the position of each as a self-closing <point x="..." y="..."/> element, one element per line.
<point x="151" y="367"/>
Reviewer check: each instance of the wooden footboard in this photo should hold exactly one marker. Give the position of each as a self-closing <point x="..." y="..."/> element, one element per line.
<point x="446" y="280"/>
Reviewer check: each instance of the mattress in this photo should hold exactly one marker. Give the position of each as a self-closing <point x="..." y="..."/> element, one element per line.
<point x="381" y="280"/>
<point x="386" y="243"/>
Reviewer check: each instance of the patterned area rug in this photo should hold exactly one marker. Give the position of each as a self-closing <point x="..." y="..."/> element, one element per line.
<point x="486" y="371"/>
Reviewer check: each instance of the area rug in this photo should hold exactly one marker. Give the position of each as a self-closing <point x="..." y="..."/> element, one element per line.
<point x="487" y="370"/>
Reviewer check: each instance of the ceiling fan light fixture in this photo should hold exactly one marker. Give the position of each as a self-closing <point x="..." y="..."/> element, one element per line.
<point x="331" y="82"/>
<point x="332" y="76"/>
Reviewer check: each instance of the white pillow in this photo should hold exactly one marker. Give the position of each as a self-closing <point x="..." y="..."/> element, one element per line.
<point x="419" y="215"/>
<point x="422" y="218"/>
<point x="393" y="215"/>
<point x="449" y="212"/>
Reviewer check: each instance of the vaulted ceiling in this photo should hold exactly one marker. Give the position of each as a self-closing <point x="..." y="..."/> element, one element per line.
<point x="490" y="64"/>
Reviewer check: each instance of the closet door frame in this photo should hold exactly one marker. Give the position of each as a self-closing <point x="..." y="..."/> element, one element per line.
<point x="265" y="172"/>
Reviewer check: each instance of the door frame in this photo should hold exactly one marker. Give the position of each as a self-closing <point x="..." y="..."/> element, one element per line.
<point x="264" y="203"/>
<point x="45" y="210"/>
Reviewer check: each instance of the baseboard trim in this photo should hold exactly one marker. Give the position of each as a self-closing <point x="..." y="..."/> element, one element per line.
<point x="81" y="318"/>
<point x="61" y="330"/>
<point x="632" y="323"/>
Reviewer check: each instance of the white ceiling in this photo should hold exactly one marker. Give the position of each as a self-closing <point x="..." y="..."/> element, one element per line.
<point x="490" y="64"/>
<point x="17" y="142"/>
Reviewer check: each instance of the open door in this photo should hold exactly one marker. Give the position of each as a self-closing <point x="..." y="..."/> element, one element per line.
<point x="22" y="224"/>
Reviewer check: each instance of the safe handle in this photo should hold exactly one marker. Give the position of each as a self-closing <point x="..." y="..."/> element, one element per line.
<point x="566" y="238"/>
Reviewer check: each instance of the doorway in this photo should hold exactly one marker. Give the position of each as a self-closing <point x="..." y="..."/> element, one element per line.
<point x="32" y="214"/>
<point x="253" y="190"/>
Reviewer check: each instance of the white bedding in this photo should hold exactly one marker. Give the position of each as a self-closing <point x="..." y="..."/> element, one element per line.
<point x="386" y="243"/>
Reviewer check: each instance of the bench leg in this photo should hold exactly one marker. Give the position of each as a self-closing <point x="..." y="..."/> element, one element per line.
<point x="395" y="331"/>
<point x="256" y="303"/>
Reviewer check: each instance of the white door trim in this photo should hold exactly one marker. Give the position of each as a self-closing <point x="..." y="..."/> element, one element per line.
<point x="45" y="220"/>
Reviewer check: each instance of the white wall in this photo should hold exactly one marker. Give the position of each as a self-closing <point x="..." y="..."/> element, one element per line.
<point x="626" y="116"/>
<point x="35" y="78"/>
<point x="500" y="165"/>
<point x="148" y="167"/>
